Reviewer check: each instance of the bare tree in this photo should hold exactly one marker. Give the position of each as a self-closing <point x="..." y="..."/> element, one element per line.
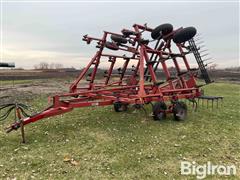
<point x="43" y="65"/>
<point x="52" y="66"/>
<point x="58" y="66"/>
<point x="36" y="66"/>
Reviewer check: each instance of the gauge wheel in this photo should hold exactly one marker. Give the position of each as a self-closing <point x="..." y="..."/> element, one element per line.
<point x="111" y="45"/>
<point x="180" y="111"/>
<point x="120" y="107"/>
<point x="159" y="111"/>
<point x="160" y="30"/>
<point x="119" y="39"/>
<point x="184" y="35"/>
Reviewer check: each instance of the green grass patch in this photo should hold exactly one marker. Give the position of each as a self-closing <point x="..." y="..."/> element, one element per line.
<point x="98" y="143"/>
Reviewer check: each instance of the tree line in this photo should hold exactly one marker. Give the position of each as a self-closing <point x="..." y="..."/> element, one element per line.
<point x="45" y="65"/>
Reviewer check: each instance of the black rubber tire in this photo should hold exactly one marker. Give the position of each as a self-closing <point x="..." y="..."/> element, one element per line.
<point x="180" y="111"/>
<point x="120" y="107"/>
<point x="159" y="109"/>
<point x="163" y="29"/>
<point x="143" y="41"/>
<point x="127" y="33"/>
<point x="184" y="35"/>
<point x="119" y="39"/>
<point x="111" y="46"/>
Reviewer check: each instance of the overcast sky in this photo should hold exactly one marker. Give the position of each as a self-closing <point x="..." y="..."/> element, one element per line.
<point x="52" y="32"/>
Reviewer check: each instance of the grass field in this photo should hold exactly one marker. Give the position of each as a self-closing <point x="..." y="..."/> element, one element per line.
<point x="98" y="143"/>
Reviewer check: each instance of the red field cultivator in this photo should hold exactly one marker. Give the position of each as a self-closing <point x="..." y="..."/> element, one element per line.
<point x="137" y="82"/>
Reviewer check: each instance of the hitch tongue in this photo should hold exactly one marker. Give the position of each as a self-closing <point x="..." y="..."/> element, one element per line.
<point x="8" y="129"/>
<point x="15" y="126"/>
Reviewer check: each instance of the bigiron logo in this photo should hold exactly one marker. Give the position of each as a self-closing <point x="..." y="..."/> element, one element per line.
<point x="201" y="171"/>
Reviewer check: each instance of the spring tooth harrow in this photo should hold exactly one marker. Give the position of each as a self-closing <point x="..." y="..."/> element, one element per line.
<point x="139" y="84"/>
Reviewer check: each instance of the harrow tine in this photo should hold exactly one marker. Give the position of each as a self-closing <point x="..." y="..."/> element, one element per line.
<point x="207" y="59"/>
<point x="200" y="47"/>
<point x="204" y="60"/>
<point x="212" y="99"/>
<point x="198" y="34"/>
<point x="194" y="103"/>
<point x="199" y="42"/>
<point x="208" y="63"/>
<point x="205" y="55"/>
<point x="197" y="39"/>
<point x="204" y="50"/>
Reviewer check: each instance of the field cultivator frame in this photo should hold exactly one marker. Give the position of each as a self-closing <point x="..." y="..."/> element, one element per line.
<point x="139" y="84"/>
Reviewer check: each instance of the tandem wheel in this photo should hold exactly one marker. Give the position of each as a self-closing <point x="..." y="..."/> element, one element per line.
<point x="179" y="111"/>
<point x="120" y="107"/>
<point x="159" y="111"/>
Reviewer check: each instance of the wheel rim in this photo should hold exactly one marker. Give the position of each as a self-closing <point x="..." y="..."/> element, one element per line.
<point x="160" y="115"/>
<point x="159" y="111"/>
<point x="181" y="114"/>
<point x="180" y="111"/>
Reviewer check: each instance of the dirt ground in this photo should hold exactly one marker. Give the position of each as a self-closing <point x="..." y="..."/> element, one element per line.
<point x="27" y="90"/>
